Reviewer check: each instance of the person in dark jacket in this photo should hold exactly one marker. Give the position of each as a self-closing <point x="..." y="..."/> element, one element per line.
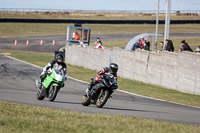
<point x="112" y="69"/>
<point x="136" y="45"/>
<point x="169" y="45"/>
<point x="147" y="46"/>
<point x="185" y="46"/>
<point x="59" y="59"/>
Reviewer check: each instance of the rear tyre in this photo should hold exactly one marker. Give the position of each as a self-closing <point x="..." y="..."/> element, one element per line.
<point x="39" y="97"/>
<point x="53" y="93"/>
<point x="102" y="98"/>
<point x="85" y="100"/>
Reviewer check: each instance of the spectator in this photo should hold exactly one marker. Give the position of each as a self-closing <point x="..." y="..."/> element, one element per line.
<point x="77" y="36"/>
<point x="82" y="44"/>
<point x="169" y="45"/>
<point x="180" y="50"/>
<point x="185" y="46"/>
<point x="147" y="45"/>
<point x="198" y="50"/>
<point x="142" y="43"/>
<point x="136" y="45"/>
<point x="161" y="46"/>
<point x="98" y="44"/>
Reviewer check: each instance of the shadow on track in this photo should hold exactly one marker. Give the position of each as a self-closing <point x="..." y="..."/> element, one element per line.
<point x="66" y="102"/>
<point x="110" y="108"/>
<point x="133" y="110"/>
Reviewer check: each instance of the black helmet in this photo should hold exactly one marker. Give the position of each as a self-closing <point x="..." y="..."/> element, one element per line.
<point x="59" y="58"/>
<point x="113" y="68"/>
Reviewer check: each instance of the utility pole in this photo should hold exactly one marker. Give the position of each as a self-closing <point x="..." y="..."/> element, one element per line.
<point x="157" y="22"/>
<point x="167" y="20"/>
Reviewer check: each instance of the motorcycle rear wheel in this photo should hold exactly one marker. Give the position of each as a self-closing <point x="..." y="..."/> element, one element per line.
<point x="53" y="93"/>
<point x="102" y="98"/>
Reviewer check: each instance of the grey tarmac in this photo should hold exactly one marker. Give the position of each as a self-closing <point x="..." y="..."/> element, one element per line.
<point x="17" y="85"/>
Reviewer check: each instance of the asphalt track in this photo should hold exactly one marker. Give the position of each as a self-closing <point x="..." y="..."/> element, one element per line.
<point x="17" y="85"/>
<point x="34" y="41"/>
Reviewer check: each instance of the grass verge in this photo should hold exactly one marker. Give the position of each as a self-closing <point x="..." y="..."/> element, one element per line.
<point x="31" y="119"/>
<point x="28" y="29"/>
<point x="42" y="59"/>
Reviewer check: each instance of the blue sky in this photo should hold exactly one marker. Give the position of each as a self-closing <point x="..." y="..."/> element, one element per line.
<point x="100" y="4"/>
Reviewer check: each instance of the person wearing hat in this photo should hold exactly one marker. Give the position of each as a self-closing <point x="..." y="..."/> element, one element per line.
<point x="185" y="46"/>
<point x="142" y="42"/>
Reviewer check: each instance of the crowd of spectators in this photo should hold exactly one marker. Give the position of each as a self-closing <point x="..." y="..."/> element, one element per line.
<point x="168" y="46"/>
<point x="141" y="44"/>
<point x="145" y="45"/>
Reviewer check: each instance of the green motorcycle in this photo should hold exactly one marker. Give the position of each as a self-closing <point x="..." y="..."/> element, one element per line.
<point x="51" y="84"/>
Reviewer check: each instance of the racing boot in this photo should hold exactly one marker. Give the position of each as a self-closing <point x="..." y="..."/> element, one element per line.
<point x="89" y="88"/>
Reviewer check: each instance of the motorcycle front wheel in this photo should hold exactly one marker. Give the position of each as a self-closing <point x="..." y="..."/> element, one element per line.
<point x="39" y="97"/>
<point x="85" y="100"/>
<point x="102" y="98"/>
<point x="53" y="93"/>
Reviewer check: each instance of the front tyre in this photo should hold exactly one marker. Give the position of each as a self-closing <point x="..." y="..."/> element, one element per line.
<point x="53" y="93"/>
<point x="39" y="96"/>
<point x="102" y="98"/>
<point x="85" y="100"/>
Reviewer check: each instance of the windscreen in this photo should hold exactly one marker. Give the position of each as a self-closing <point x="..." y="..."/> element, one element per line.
<point x="58" y="69"/>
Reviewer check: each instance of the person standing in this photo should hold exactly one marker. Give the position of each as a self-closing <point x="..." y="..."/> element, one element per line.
<point x="169" y="45"/>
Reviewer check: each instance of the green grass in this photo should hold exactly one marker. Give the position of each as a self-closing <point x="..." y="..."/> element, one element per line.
<point x="30" y="119"/>
<point x="42" y="59"/>
<point x="141" y="28"/>
<point x="30" y="29"/>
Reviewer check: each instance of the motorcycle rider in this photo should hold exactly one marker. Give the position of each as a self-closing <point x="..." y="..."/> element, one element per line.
<point x="112" y="69"/>
<point x="59" y="59"/>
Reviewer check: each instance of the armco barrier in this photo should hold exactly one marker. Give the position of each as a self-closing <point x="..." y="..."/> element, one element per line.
<point x="178" y="71"/>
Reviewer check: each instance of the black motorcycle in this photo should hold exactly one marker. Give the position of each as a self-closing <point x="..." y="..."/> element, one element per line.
<point x="106" y="86"/>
